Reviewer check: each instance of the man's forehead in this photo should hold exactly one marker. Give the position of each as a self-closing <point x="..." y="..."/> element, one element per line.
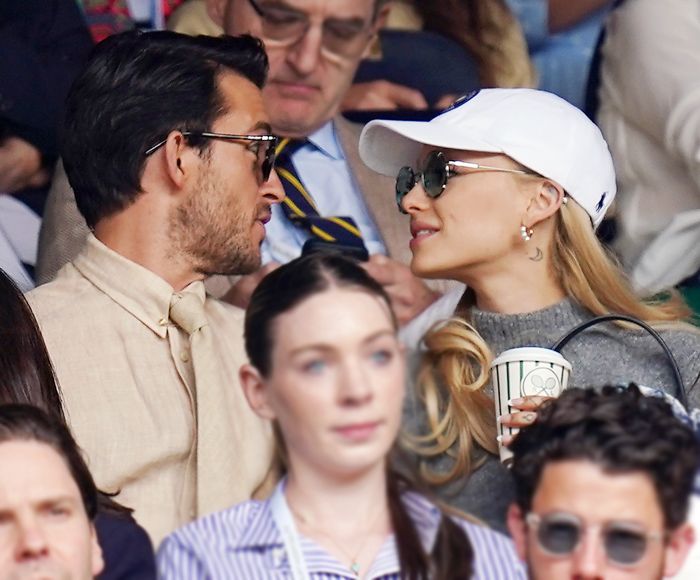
<point x="586" y="488"/>
<point x="243" y="102"/>
<point x="39" y="473"/>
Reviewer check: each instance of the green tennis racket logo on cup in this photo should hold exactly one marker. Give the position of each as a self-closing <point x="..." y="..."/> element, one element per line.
<point x="525" y="372"/>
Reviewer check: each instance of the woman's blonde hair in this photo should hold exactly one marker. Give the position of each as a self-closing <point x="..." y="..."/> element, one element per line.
<point x="455" y="368"/>
<point x="489" y="31"/>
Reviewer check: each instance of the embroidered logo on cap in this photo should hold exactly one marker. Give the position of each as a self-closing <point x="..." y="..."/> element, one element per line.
<point x="601" y="202"/>
<point x="459" y="101"/>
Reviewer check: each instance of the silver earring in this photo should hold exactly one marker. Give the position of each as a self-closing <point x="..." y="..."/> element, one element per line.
<point x="526" y="233"/>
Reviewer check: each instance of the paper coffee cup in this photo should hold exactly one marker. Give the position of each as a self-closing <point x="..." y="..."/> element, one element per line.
<point x="524" y="372"/>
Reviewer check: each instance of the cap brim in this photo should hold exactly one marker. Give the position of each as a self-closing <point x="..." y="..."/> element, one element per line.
<point x="386" y="146"/>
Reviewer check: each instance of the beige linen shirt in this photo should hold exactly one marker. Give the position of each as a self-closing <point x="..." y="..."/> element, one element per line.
<point x="127" y="381"/>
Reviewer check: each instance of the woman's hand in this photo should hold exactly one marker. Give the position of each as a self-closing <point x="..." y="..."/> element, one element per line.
<point x="525" y="413"/>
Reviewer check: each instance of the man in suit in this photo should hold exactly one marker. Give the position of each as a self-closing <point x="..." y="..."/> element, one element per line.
<point x="314" y="49"/>
<point x="168" y="149"/>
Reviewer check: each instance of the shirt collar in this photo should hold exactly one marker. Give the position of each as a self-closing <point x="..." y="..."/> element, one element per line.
<point x="143" y="294"/>
<point x="326" y="141"/>
<point x="261" y="532"/>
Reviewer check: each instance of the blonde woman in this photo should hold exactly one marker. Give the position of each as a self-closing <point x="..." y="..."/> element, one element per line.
<point x="509" y="187"/>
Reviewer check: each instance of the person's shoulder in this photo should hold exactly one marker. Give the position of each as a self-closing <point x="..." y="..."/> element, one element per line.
<point x="68" y="292"/>
<point x="683" y="341"/>
<point x="220" y="530"/>
<point x="494" y="553"/>
<point x="682" y="336"/>
<point x="126" y="547"/>
<point x="495" y="557"/>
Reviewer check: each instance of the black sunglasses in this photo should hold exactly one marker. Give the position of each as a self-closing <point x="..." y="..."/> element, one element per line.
<point x="559" y="534"/>
<point x="266" y="153"/>
<point x="434" y="174"/>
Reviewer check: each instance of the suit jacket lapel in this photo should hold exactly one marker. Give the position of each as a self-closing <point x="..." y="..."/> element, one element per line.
<point x="378" y="193"/>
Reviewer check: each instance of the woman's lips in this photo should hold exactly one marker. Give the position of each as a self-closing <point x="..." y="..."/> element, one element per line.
<point x="358" y="432"/>
<point x="419" y="234"/>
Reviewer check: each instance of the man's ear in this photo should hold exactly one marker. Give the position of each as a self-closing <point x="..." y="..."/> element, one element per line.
<point x="545" y="202"/>
<point x="255" y="391"/>
<point x="518" y="529"/>
<point x="677" y="548"/>
<point x="377" y="25"/>
<point x="216" y="10"/>
<point x="97" y="560"/>
<point x="181" y="161"/>
<point x="381" y="18"/>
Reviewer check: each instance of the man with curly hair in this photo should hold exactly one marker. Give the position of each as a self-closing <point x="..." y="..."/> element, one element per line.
<point x="603" y="482"/>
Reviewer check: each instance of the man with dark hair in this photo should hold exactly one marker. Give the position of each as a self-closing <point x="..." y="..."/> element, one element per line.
<point x="48" y="500"/>
<point x="603" y="483"/>
<point x="169" y="151"/>
<point x="314" y="49"/>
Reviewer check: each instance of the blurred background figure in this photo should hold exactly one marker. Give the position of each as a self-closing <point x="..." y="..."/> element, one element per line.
<point x="603" y="483"/>
<point x="107" y="17"/>
<point x="650" y="114"/>
<point x="48" y="500"/>
<point x="561" y="37"/>
<point x="27" y="377"/>
<point x="43" y="45"/>
<point x="426" y="54"/>
<point x="327" y="370"/>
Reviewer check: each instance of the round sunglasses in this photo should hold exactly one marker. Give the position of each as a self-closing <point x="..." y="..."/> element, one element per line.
<point x="436" y="170"/>
<point x="559" y="535"/>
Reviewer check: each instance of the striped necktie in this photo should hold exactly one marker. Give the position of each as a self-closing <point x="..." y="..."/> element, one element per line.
<point x="300" y="208"/>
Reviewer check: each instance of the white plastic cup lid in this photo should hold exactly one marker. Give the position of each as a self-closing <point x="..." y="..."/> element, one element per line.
<point x="531" y="353"/>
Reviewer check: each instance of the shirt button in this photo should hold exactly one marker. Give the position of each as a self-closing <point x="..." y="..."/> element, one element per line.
<point x="278" y="557"/>
<point x="163" y="322"/>
<point x="185" y="356"/>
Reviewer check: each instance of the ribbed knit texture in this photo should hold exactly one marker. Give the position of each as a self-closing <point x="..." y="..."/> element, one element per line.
<point x="603" y="354"/>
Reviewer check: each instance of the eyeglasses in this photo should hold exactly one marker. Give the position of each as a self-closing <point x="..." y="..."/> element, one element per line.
<point x="283" y="25"/>
<point x="559" y="535"/>
<point x="435" y="173"/>
<point x="265" y="149"/>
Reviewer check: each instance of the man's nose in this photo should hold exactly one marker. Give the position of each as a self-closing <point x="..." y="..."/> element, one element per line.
<point x="589" y="558"/>
<point x="305" y="54"/>
<point x="272" y="189"/>
<point x="31" y="539"/>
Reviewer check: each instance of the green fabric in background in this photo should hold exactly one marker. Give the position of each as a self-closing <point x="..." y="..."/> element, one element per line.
<point x="691" y="295"/>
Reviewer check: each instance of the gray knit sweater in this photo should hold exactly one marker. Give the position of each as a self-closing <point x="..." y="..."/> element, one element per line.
<point x="603" y="354"/>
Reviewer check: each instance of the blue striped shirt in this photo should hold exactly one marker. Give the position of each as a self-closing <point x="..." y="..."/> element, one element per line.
<point x="244" y="542"/>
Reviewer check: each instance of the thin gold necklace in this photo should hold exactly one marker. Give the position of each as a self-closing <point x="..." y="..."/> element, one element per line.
<point x="354" y="564"/>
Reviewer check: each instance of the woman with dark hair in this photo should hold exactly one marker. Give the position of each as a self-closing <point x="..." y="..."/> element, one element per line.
<point x="328" y="370"/>
<point x="27" y="377"/>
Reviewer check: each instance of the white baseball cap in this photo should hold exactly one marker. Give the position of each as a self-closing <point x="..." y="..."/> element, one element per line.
<point x="537" y="129"/>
